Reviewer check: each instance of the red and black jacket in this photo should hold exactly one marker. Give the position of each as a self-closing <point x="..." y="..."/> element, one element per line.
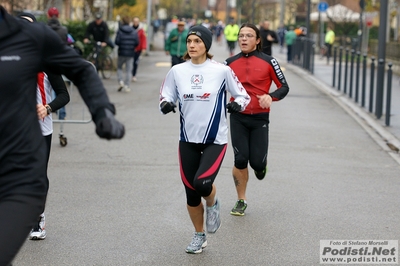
<point x="256" y="71"/>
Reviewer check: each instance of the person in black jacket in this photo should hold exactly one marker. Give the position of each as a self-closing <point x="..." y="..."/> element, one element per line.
<point x="54" y="23"/>
<point x="98" y="30"/>
<point x="268" y="37"/>
<point x="27" y="49"/>
<point x="127" y="39"/>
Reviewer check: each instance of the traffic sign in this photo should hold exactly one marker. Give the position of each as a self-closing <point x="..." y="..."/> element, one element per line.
<point x="322" y="6"/>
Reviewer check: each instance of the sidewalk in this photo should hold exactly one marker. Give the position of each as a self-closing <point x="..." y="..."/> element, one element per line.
<point x="387" y="136"/>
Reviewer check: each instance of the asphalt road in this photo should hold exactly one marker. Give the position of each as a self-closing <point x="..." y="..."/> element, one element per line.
<point x="122" y="202"/>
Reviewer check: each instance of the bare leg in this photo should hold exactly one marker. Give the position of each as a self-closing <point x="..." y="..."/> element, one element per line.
<point x="197" y="216"/>
<point x="210" y="199"/>
<point x="241" y="177"/>
<point x="197" y="213"/>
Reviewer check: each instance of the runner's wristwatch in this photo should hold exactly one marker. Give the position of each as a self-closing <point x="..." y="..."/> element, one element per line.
<point x="48" y="108"/>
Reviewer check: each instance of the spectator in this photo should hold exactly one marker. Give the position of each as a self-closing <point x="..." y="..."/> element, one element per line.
<point x="268" y="37"/>
<point x="140" y="48"/>
<point x="175" y="45"/>
<point x="54" y="23"/>
<point x="281" y="36"/>
<point x="219" y="31"/>
<point x="127" y="40"/>
<point x="290" y="37"/>
<point x="156" y="25"/>
<point x="98" y="30"/>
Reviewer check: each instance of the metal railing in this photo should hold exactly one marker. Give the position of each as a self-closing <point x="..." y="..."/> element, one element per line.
<point x="356" y="83"/>
<point x="303" y="53"/>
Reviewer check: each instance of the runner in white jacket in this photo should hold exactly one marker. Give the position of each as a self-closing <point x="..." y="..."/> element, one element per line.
<point x="45" y="106"/>
<point x="200" y="85"/>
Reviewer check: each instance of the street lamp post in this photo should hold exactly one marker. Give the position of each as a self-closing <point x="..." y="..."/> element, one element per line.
<point x="380" y="80"/>
<point x="149" y="27"/>
<point x="282" y="17"/>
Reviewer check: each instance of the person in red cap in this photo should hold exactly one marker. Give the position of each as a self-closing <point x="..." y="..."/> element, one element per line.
<point x="54" y="23"/>
<point x="53" y="12"/>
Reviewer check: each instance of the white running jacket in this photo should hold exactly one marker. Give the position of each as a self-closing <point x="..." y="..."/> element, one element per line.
<point x="201" y="92"/>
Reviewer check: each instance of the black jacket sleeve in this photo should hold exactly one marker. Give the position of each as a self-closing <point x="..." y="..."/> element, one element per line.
<point x="89" y="30"/>
<point x="59" y="58"/>
<point x="62" y="95"/>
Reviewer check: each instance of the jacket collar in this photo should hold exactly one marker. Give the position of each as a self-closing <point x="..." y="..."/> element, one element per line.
<point x="249" y="54"/>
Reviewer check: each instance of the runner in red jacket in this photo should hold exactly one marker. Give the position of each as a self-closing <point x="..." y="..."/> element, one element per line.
<point x="249" y="129"/>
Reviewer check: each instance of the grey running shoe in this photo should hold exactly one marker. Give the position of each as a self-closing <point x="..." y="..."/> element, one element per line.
<point x="261" y="174"/>
<point x="213" y="221"/>
<point x="239" y="208"/>
<point x="199" y="242"/>
<point x="39" y="232"/>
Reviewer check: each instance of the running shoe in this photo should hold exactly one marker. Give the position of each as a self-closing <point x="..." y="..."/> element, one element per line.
<point x="121" y="85"/>
<point x="213" y="220"/>
<point x="126" y="89"/>
<point x="39" y="232"/>
<point x="261" y="174"/>
<point x="239" y="208"/>
<point x="199" y="242"/>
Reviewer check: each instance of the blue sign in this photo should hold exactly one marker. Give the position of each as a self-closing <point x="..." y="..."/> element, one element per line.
<point x="322" y="6"/>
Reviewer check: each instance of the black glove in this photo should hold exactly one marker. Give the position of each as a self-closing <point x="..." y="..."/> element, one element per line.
<point x="167" y="107"/>
<point x="233" y="107"/>
<point x="107" y="127"/>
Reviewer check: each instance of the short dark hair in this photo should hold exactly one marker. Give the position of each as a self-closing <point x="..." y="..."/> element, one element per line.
<point x="125" y="20"/>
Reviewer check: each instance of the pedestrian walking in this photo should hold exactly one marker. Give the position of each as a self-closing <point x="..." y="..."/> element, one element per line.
<point x="127" y="40"/>
<point x="329" y="41"/>
<point x="27" y="49"/>
<point x="281" y="35"/>
<point x="54" y="23"/>
<point x="231" y="32"/>
<point x="290" y="37"/>
<point x="249" y="129"/>
<point x="201" y="85"/>
<point x="62" y="31"/>
<point x="175" y="45"/>
<point x="141" y="48"/>
<point x="219" y="31"/>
